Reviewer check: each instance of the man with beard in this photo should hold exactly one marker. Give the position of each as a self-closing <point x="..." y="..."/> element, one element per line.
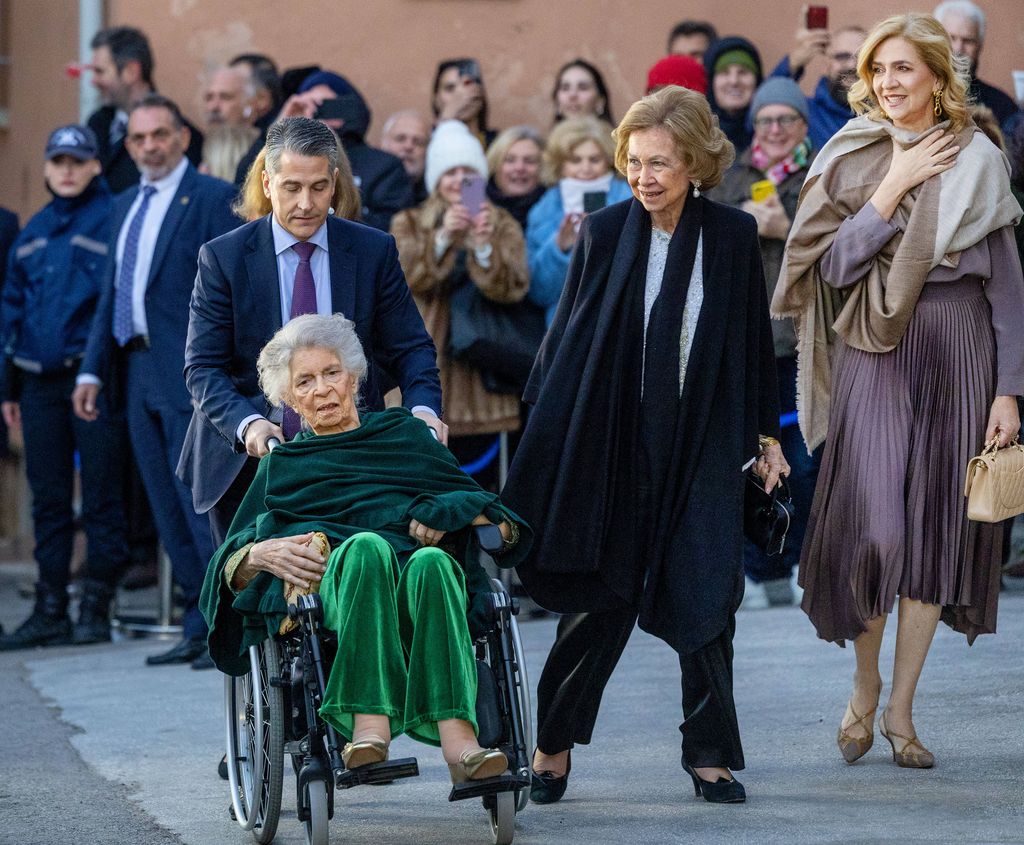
<point x="828" y="108"/>
<point x="122" y="71"/>
<point x="965" y="23"/>
<point x="136" y="346"/>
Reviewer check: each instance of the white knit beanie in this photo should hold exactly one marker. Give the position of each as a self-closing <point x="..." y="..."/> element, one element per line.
<point x="451" y="145"/>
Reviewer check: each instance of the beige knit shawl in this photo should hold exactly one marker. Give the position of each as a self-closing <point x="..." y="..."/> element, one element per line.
<point x="937" y="220"/>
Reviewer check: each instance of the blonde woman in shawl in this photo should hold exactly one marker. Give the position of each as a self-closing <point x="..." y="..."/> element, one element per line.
<point x="904" y="282"/>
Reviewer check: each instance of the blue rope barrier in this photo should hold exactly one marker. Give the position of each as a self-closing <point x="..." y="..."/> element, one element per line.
<point x="481" y="463"/>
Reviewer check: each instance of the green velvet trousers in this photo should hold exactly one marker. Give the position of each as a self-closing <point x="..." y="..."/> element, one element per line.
<point x="404" y="648"/>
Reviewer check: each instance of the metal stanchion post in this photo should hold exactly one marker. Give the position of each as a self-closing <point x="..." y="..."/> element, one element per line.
<point x="504" y="574"/>
<point x="162" y="622"/>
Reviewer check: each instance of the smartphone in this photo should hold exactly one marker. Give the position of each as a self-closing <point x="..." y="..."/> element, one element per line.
<point x="471" y="69"/>
<point x="473" y="192"/>
<point x="345" y="108"/>
<point x="760" y="191"/>
<point x="594" y="201"/>
<point x="817" y="17"/>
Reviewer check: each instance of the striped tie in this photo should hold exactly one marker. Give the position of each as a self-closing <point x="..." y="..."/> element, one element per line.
<point x="124" y="326"/>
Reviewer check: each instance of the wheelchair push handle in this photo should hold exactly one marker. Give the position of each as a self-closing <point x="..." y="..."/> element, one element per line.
<point x="272" y="443"/>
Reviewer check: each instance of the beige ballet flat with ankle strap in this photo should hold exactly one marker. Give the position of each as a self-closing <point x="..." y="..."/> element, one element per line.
<point x="478" y="765"/>
<point x="854" y="747"/>
<point x="370" y="749"/>
<point x="913" y="755"/>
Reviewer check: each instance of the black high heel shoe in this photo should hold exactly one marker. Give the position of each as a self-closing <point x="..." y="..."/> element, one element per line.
<point x="548" y="788"/>
<point x="720" y="792"/>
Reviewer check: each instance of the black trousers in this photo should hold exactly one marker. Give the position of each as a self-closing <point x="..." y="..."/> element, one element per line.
<point x="586" y="650"/>
<point x="52" y="435"/>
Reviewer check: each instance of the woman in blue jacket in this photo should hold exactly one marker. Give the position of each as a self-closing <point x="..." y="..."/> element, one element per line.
<point x="578" y="166"/>
<point x="49" y="297"/>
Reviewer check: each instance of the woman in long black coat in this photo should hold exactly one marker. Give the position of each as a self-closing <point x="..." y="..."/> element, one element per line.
<point x="654" y="386"/>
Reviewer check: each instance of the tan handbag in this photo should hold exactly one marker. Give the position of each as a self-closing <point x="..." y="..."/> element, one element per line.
<point x="995" y="483"/>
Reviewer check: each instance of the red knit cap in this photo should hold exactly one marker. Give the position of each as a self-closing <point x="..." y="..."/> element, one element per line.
<point x="678" y="70"/>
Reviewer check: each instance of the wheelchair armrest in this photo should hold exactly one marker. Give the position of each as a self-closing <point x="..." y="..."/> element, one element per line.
<point x="490" y="539"/>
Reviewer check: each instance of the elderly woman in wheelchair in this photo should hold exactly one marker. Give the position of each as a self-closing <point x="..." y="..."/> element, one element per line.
<point x="372" y="512"/>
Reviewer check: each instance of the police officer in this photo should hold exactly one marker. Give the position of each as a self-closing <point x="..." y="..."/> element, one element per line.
<point x="49" y="297"/>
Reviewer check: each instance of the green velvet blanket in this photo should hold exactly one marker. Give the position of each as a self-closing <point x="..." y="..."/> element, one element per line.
<point x="376" y="478"/>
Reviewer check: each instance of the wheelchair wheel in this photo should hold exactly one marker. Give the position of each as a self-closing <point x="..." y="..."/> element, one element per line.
<point x="254" y="716"/>
<point x="522" y="694"/>
<point x="503" y="818"/>
<point x="316" y="824"/>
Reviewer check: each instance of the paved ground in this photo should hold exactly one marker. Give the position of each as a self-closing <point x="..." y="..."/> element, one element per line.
<point x="101" y="749"/>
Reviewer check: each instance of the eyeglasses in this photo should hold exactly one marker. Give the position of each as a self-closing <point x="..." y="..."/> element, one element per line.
<point x="307" y="384"/>
<point x="787" y="121"/>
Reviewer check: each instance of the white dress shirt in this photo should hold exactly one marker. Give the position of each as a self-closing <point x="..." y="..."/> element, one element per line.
<point x="287" y="264"/>
<point x="159" y="203"/>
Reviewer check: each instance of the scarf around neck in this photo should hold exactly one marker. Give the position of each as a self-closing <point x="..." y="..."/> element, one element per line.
<point x="781" y="170"/>
<point x="937" y="221"/>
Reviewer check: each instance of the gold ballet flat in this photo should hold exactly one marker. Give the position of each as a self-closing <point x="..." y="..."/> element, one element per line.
<point x="371" y="749"/>
<point x="912" y="755"/>
<point x="478" y="765"/>
<point x="854" y="747"/>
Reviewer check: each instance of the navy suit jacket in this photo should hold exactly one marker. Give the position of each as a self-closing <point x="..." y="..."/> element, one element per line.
<point x="200" y="211"/>
<point x="236" y="309"/>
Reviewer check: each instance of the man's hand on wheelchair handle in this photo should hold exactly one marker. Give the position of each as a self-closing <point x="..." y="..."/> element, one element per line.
<point x="257" y="433"/>
<point x="83" y="401"/>
<point x="439" y="428"/>
<point x="291" y="559"/>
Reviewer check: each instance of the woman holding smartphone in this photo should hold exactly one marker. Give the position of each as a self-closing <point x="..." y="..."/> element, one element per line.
<point x="765" y="181"/>
<point x="579" y="166"/>
<point x="459" y="94"/>
<point x="457" y="238"/>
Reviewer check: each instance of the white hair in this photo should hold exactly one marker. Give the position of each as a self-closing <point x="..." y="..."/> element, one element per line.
<point x="965" y="8"/>
<point x="333" y="332"/>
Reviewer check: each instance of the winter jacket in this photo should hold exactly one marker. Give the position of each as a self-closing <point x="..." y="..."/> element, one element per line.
<point x="468" y="407"/>
<point x="548" y="264"/>
<point x="825" y="115"/>
<point x="53" y="282"/>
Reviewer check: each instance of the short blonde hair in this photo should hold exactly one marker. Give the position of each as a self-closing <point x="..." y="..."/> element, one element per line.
<point x="931" y="41"/>
<point x="500" y="146"/>
<point x="566" y="137"/>
<point x="253" y="203"/>
<point x="704" y="148"/>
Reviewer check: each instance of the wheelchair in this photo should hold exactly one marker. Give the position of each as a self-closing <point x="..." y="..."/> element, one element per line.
<point x="272" y="711"/>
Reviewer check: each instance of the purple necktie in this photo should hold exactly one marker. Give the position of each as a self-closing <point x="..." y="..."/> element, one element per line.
<point x="303" y="288"/>
<point x="303" y="302"/>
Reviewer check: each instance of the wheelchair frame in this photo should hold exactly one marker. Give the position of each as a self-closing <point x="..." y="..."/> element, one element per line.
<point x="273" y="710"/>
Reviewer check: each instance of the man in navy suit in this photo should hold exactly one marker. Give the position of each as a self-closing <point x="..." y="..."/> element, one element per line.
<point x="137" y="339"/>
<point x="298" y="259"/>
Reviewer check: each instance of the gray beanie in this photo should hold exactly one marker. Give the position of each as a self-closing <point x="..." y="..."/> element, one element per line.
<point x="779" y="90"/>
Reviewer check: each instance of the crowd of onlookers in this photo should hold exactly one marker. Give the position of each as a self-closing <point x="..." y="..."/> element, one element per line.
<point x="463" y="200"/>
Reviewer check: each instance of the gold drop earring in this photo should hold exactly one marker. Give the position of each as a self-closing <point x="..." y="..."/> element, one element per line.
<point x="937" y="96"/>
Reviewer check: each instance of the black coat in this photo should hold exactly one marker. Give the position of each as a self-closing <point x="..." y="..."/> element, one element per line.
<point x="118" y="168"/>
<point x="563" y="478"/>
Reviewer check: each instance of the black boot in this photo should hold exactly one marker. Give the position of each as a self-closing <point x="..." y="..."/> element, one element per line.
<point x="93" y="624"/>
<point x="48" y="625"/>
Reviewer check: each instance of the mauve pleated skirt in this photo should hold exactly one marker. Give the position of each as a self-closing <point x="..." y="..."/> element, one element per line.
<point x="889" y="515"/>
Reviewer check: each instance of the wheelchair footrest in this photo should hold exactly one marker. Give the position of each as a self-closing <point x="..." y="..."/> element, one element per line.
<point x="389" y="770"/>
<point x="488" y="786"/>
